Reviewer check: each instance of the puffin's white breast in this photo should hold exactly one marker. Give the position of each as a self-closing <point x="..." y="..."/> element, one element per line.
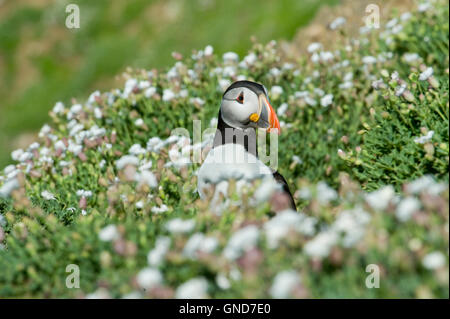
<point x="230" y="161"/>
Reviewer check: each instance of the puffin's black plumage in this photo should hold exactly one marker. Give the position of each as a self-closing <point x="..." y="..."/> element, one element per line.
<point x="248" y="138"/>
<point x="281" y="180"/>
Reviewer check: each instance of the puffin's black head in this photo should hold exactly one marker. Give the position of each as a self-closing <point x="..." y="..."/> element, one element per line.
<point x="246" y="104"/>
<point x="253" y="86"/>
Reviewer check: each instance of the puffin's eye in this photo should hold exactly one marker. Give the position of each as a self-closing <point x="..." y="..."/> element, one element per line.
<point x="240" y="98"/>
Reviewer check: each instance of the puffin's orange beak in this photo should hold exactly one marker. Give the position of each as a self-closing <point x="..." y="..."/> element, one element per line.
<point x="268" y="117"/>
<point x="273" y="119"/>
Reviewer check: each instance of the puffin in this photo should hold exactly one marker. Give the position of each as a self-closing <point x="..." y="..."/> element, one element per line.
<point x="244" y="108"/>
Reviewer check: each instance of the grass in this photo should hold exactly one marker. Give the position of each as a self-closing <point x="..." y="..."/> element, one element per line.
<point x="364" y="147"/>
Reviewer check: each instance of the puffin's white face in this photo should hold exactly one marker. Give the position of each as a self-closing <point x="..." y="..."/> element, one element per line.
<point x="238" y="105"/>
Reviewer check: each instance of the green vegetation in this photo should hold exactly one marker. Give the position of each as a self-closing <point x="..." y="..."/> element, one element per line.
<point x="41" y="61"/>
<point x="364" y="145"/>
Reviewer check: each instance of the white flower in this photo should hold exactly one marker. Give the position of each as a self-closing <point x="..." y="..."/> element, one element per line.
<point x="158" y="210"/>
<point x="425" y="138"/>
<point x="148" y="93"/>
<point x="426" y="183"/>
<point x="25" y="156"/>
<point x="395" y="76"/>
<point x="143" y="84"/>
<point x="284" y="283"/>
<point x="279" y="226"/>
<point x="139" y="122"/>
<point x="178" y="225"/>
<point x="198" y="242"/>
<point x="98" y="113"/>
<point x="275" y="72"/>
<point x="168" y="95"/>
<point x="11" y="172"/>
<point x="74" y="148"/>
<point x="9" y="169"/>
<point x="369" y="60"/>
<point x="423" y="7"/>
<point x="325" y="193"/>
<point x="400" y="89"/>
<point x="15" y="155"/>
<point x="109" y="233"/>
<point x="44" y="130"/>
<point x="229" y="71"/>
<point x="76" y="129"/>
<point x="92" y="97"/>
<point x="130" y="84"/>
<point x="426" y="74"/>
<point x="346" y="85"/>
<point x="183" y="93"/>
<point x="276" y="91"/>
<point x="410" y="57"/>
<point x="47" y="195"/>
<point x="326" y="56"/>
<point x="351" y="224"/>
<point x="321" y="245"/>
<point x="377" y="84"/>
<point x="137" y="149"/>
<point x="139" y="204"/>
<point x="197" y="100"/>
<point x="391" y="23"/>
<point x="301" y="94"/>
<point x="287" y="66"/>
<point x="58" y="108"/>
<point x="230" y="57"/>
<point x="146" y="177"/>
<point x="8" y="187"/>
<point x="326" y="100"/>
<point x="242" y="240"/>
<point x="195" y="288"/>
<point x="132" y="295"/>
<point x="296" y="159"/>
<point x="310" y="101"/>
<point x="149" y="278"/>
<point x="405" y="16"/>
<point x="224" y="84"/>
<point x="338" y="22"/>
<point x="154" y="144"/>
<point x="434" y="260"/>
<point x="266" y="189"/>
<point x="313" y="47"/>
<point x="101" y="164"/>
<point x="156" y="256"/>
<point x="250" y="59"/>
<point x="76" y="108"/>
<point x="100" y="293"/>
<point x="348" y="76"/>
<point x="222" y="281"/>
<point x="84" y="193"/>
<point x="208" y="50"/>
<point x="406" y="208"/>
<point x="379" y="200"/>
<point x="145" y="165"/>
<point x="127" y="160"/>
<point x="33" y="146"/>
